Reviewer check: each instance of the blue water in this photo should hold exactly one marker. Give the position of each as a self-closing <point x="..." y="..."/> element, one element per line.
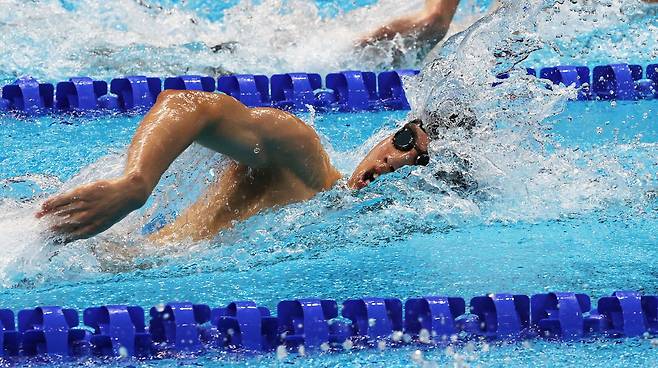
<point x="573" y="209"/>
<point x="595" y="252"/>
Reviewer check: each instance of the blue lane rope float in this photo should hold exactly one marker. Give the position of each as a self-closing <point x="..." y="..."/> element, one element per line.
<point x="243" y="326"/>
<point x="341" y="91"/>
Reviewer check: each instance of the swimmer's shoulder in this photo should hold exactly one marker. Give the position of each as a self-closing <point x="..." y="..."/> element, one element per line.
<point x="286" y="131"/>
<point x="207" y="102"/>
<point x="219" y="103"/>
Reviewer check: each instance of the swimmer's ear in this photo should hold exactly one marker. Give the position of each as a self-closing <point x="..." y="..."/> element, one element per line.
<point x="418" y="122"/>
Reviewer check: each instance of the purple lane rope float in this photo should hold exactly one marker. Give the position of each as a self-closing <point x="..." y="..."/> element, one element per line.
<point x="315" y="325"/>
<point x="346" y="91"/>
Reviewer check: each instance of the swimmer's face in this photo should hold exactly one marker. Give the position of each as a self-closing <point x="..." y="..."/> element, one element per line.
<point x="389" y="155"/>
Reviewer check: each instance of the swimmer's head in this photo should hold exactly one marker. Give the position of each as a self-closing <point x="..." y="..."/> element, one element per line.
<point x="408" y="146"/>
<point x="439" y="123"/>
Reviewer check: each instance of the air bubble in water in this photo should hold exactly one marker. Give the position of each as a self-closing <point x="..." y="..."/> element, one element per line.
<point x="424" y="336"/>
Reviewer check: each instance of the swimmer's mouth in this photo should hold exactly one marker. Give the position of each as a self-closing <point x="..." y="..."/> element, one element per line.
<point x="370" y="176"/>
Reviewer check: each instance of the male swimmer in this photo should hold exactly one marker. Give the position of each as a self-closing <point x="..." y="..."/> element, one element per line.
<point x="276" y="159"/>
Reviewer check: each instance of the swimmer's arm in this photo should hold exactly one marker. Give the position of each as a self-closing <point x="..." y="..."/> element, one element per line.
<point x="180" y="118"/>
<point x="430" y="24"/>
<point x="177" y="119"/>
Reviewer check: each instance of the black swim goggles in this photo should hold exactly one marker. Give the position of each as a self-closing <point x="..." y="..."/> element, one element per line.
<point x="405" y="139"/>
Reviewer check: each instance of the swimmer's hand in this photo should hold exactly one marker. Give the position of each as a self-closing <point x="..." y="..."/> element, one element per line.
<point x="364" y="41"/>
<point x="93" y="208"/>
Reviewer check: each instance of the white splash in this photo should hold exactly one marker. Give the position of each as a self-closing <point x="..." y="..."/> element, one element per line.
<point x="123" y="37"/>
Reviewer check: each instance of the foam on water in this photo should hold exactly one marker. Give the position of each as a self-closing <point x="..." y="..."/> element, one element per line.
<point x="513" y="154"/>
<point x="52" y="40"/>
<point x="523" y="173"/>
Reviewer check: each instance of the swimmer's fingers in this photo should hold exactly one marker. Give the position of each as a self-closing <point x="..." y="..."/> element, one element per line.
<point x="66" y="227"/>
<point x="70" y="209"/>
<point x="363" y="41"/>
<point x="74" y="219"/>
<point x="54" y="203"/>
<point x="74" y="230"/>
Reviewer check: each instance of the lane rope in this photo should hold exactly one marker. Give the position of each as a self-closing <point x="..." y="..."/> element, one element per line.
<point x="345" y="91"/>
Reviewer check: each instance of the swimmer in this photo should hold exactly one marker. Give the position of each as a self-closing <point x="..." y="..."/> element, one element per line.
<point x="276" y="159"/>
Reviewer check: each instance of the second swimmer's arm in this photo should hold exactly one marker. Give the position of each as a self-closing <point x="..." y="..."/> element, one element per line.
<point x="430" y="24"/>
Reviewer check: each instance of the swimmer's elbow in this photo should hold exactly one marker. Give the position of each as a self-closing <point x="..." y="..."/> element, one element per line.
<point x="169" y="95"/>
<point x="437" y="18"/>
<point x="187" y="100"/>
<point x="432" y="27"/>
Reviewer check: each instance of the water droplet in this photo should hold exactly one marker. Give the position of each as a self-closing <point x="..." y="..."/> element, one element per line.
<point x="372" y="322"/>
<point x="381" y="345"/>
<point x="348" y="344"/>
<point x="417" y="356"/>
<point x="424" y="336"/>
<point x="397" y="336"/>
<point x="301" y="350"/>
<point x="123" y="352"/>
<point x="325" y="346"/>
<point x="281" y="352"/>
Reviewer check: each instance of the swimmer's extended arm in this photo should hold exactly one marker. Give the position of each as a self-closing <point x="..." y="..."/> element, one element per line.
<point x="428" y="25"/>
<point x="178" y="119"/>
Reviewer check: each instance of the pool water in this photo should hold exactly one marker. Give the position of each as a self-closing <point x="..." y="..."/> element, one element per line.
<point x="595" y="251"/>
<point x="566" y="198"/>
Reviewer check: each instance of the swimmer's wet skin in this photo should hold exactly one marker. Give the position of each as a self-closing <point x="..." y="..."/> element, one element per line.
<point x="276" y="159"/>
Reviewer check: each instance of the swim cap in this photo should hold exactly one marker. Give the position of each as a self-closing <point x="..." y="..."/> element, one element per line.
<point x="449" y="115"/>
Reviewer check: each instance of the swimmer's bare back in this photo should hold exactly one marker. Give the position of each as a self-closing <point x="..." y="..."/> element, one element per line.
<point x="277" y="159"/>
